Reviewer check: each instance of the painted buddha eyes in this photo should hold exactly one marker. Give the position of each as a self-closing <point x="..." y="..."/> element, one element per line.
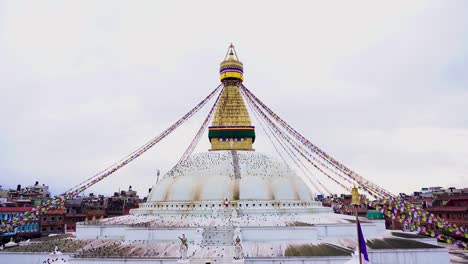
<point x="229" y="139"/>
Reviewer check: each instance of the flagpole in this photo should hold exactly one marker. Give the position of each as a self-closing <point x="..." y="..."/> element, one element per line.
<point x="359" y="240"/>
<point x="355" y="200"/>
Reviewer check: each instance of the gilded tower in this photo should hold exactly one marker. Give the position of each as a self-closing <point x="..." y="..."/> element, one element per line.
<point x="231" y="128"/>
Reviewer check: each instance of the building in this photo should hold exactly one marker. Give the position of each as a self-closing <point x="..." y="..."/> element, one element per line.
<point x="30" y="229"/>
<point x="75" y="210"/>
<point x="121" y="203"/>
<point x="92" y="207"/>
<point x="74" y="213"/>
<point x="453" y="208"/>
<point x="35" y="193"/>
<point x="53" y="222"/>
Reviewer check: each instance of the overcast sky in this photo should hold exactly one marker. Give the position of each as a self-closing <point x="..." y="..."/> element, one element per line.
<point x="381" y="87"/>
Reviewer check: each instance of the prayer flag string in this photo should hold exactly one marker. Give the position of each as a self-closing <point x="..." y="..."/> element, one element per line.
<point x="11" y="224"/>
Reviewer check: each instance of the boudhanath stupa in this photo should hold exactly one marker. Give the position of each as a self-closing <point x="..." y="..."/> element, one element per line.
<point x="235" y="204"/>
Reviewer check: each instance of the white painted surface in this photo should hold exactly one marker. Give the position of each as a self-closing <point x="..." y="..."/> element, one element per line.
<point x="309" y="234"/>
<point x="276" y="234"/>
<point x="409" y="256"/>
<point x="343" y="230"/>
<point x="121" y="261"/>
<point x="210" y="176"/>
<point x="388" y="256"/>
<point x="133" y="233"/>
<point x="26" y="258"/>
<point x="160" y="235"/>
<point x="100" y="232"/>
<point x="291" y="260"/>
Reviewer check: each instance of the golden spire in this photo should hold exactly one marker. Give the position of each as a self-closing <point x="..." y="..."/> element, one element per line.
<point x="231" y="128"/>
<point x="231" y="68"/>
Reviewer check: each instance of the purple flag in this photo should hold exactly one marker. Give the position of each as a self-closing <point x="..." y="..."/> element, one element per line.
<point x="362" y="244"/>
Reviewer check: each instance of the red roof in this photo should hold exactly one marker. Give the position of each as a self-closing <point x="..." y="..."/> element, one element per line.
<point x="452" y="197"/>
<point x="447" y="209"/>
<point x="75" y="215"/>
<point x="55" y="211"/>
<point x="15" y="209"/>
<point x="418" y="200"/>
<point x="96" y="212"/>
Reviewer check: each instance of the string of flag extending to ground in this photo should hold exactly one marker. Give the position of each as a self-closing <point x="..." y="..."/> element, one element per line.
<point x="364" y="183"/>
<point x="391" y="206"/>
<point x="10" y="224"/>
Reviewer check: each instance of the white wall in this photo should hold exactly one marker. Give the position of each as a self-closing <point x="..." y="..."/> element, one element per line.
<point x="410" y="256"/>
<point x="166" y="234"/>
<point x="309" y="234"/>
<point x="389" y="256"/>
<point x="349" y="230"/>
<point x="291" y="260"/>
<point x="269" y="234"/>
<point x="100" y="231"/>
<point x="26" y="258"/>
<point x="133" y="233"/>
<point x="122" y="261"/>
<point x="300" y="234"/>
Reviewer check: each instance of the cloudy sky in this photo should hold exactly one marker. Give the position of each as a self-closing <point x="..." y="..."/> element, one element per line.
<point x="381" y="87"/>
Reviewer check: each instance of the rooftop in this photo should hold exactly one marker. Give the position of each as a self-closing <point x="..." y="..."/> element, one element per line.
<point x="15" y="209"/>
<point x="397" y="243"/>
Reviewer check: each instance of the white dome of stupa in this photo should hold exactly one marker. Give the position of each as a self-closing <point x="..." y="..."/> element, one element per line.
<point x="231" y="173"/>
<point x="235" y="175"/>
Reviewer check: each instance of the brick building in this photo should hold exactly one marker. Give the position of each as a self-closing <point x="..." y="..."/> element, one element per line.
<point x="453" y="208"/>
<point x="52" y="221"/>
